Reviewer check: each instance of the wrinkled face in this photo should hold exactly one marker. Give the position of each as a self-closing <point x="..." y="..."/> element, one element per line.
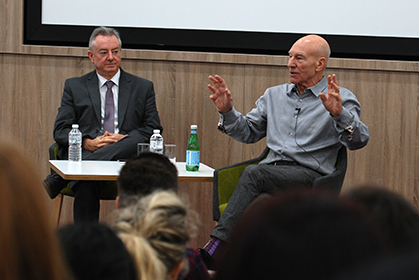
<point x="305" y="64"/>
<point x="106" y="55"/>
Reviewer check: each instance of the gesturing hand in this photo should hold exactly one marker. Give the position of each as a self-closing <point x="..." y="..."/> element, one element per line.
<point x="333" y="101"/>
<point x="221" y="96"/>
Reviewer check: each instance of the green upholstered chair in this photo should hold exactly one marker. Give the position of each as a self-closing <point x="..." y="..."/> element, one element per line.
<point x="226" y="178"/>
<point x="109" y="192"/>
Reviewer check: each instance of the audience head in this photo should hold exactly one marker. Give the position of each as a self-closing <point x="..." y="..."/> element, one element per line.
<point x="394" y="267"/>
<point x="143" y="175"/>
<point x="147" y="263"/>
<point x="162" y="219"/>
<point x="397" y="219"/>
<point x="29" y="248"/>
<point x="94" y="251"/>
<point x="298" y="235"/>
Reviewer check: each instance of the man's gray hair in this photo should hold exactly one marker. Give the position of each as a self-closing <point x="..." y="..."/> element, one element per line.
<point x="104" y="31"/>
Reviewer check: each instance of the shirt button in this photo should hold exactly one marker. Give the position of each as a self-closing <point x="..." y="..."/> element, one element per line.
<point x="291" y="133"/>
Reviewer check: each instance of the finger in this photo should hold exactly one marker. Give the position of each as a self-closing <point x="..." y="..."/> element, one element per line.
<point x="107" y="140"/>
<point x="211" y="88"/>
<point x="335" y="80"/>
<point x="332" y="84"/>
<point x="329" y="79"/>
<point x="213" y="97"/>
<point x="212" y="79"/>
<point x="219" y="79"/>
<point x="322" y="97"/>
<point x="228" y="92"/>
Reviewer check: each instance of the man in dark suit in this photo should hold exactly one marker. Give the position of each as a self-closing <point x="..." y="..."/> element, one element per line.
<point x="109" y="132"/>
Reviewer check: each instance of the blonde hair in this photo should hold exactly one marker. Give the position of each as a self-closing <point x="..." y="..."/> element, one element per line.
<point x="161" y="219"/>
<point x="29" y="247"/>
<point x="146" y="261"/>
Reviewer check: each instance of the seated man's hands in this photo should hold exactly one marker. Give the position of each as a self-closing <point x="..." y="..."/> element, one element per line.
<point x="101" y="141"/>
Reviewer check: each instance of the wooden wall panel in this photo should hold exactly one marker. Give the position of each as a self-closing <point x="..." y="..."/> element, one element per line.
<point x="11" y="22"/>
<point x="32" y="85"/>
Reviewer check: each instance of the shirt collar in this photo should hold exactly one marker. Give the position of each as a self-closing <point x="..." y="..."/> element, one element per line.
<point x="319" y="87"/>
<point x="115" y="78"/>
<point x="316" y="89"/>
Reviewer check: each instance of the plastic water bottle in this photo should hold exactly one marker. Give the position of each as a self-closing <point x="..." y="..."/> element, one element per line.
<point x="74" y="143"/>
<point x="156" y="142"/>
<point x="193" y="150"/>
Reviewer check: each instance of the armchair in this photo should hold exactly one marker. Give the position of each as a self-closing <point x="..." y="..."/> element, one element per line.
<point x="226" y="178"/>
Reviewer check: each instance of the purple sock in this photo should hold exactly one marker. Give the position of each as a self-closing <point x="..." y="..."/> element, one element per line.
<point x="212" y="245"/>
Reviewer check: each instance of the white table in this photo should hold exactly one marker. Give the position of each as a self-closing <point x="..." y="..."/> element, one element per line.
<point x="199" y="198"/>
<point x="109" y="171"/>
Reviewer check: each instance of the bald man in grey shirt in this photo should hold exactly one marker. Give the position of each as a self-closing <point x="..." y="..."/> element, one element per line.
<point x="305" y="123"/>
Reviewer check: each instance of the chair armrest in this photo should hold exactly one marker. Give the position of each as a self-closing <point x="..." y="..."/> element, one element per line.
<point x="225" y="181"/>
<point x="334" y="181"/>
<point x="53" y="151"/>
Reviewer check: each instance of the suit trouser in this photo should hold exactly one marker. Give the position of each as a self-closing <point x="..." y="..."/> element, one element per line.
<point x="258" y="179"/>
<point x="87" y="193"/>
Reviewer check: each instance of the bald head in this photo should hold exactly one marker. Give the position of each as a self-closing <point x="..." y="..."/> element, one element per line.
<point x="308" y="58"/>
<point x="316" y="45"/>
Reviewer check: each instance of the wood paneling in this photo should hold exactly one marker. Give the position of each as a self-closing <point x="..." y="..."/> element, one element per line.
<point x="32" y="79"/>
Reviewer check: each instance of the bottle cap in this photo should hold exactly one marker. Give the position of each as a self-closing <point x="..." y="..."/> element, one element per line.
<point x="156" y="131"/>
<point x="75" y="126"/>
<point x="194" y="126"/>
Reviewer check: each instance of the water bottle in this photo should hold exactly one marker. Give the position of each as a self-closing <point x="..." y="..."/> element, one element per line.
<point x="156" y="142"/>
<point x="193" y="150"/>
<point x="74" y="143"/>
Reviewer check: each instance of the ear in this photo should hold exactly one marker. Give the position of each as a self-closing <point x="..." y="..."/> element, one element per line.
<point x="117" y="203"/>
<point x="174" y="274"/>
<point x="321" y="64"/>
<point x="91" y="57"/>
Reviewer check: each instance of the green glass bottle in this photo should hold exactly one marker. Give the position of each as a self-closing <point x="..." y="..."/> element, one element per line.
<point x="193" y="150"/>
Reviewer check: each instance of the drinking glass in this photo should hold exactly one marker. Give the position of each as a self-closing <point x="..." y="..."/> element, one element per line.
<point x="170" y="152"/>
<point x="142" y="148"/>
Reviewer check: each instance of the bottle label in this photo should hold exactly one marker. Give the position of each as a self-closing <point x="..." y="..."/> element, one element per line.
<point x="156" y="144"/>
<point x="192" y="157"/>
<point x="156" y="147"/>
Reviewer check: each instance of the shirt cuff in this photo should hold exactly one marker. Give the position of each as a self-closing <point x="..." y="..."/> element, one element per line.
<point x="224" y="118"/>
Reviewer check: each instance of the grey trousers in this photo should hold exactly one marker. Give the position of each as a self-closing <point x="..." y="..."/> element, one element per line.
<point x="258" y="179"/>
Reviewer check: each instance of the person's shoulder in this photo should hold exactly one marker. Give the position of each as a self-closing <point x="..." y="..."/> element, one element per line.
<point x="282" y="88"/>
<point x="346" y="93"/>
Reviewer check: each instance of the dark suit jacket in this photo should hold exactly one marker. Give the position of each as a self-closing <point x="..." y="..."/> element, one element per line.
<point x="137" y="114"/>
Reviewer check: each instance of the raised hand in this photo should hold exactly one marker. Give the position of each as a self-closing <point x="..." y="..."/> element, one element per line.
<point x="333" y="101"/>
<point x="221" y="96"/>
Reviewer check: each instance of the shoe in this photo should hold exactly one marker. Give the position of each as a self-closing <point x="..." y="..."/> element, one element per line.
<point x="53" y="184"/>
<point x="206" y="258"/>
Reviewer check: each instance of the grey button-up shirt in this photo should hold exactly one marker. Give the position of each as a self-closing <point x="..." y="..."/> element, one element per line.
<point x="298" y="127"/>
